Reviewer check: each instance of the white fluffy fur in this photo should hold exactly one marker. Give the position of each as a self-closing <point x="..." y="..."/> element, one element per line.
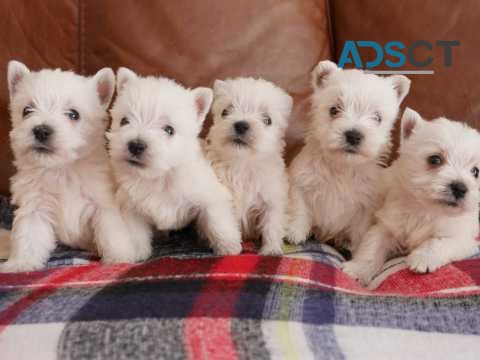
<point x="67" y="193"/>
<point x="254" y="171"/>
<point x="333" y="192"/>
<point x="420" y="216"/>
<point x="172" y="183"/>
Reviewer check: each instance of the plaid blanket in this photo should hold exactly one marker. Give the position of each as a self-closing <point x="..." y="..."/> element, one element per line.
<point x="187" y="303"/>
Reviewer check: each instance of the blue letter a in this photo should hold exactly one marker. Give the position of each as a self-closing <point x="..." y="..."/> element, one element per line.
<point x="344" y="59"/>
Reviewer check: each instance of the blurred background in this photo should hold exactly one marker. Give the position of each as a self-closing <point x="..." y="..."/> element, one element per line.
<point x="196" y="42"/>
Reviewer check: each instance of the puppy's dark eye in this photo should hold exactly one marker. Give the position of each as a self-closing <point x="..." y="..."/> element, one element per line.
<point x="435" y="160"/>
<point x="334" y="110"/>
<point x="169" y="130"/>
<point x="475" y="172"/>
<point x="227" y="111"/>
<point x="378" y="117"/>
<point x="267" y="120"/>
<point x="27" y="110"/>
<point x="73" y="114"/>
<point x="124" y="121"/>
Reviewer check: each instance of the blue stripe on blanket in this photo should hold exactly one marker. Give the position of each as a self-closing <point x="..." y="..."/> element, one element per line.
<point x="165" y="299"/>
<point x="169" y="299"/>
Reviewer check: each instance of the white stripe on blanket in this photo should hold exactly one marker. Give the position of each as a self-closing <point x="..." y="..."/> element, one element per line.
<point x="286" y="340"/>
<point x="382" y="343"/>
<point x="30" y="341"/>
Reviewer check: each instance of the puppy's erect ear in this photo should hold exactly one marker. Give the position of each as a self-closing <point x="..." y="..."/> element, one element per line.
<point x="203" y="100"/>
<point x="401" y="84"/>
<point x="287" y="105"/>
<point x="16" y="72"/>
<point x="124" y="75"/>
<point x="219" y="87"/>
<point x="410" y="121"/>
<point x="104" y="81"/>
<point x="322" y="71"/>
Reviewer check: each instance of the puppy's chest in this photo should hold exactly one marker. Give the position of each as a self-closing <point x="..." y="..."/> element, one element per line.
<point x="165" y="206"/>
<point x="247" y="188"/>
<point x="74" y="211"/>
<point x="66" y="196"/>
<point x="409" y="227"/>
<point x="336" y="200"/>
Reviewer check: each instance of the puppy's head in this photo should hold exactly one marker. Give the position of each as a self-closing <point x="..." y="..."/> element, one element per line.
<point x="250" y="115"/>
<point x="57" y="116"/>
<point x="155" y="123"/>
<point x="353" y="112"/>
<point x="439" y="161"/>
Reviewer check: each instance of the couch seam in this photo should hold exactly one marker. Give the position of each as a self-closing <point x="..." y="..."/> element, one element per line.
<point x="81" y="36"/>
<point x="330" y="24"/>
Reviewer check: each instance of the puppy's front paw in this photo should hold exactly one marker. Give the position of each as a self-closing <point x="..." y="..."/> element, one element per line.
<point x="360" y="271"/>
<point x="227" y="248"/>
<point x="14" y="266"/>
<point x="296" y="236"/>
<point x="126" y="254"/>
<point x="142" y="253"/>
<point x="423" y="262"/>
<point x="271" y="250"/>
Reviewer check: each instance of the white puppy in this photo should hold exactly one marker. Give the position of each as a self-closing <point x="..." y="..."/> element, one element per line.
<point x="245" y="146"/>
<point x="431" y="208"/>
<point x="63" y="185"/>
<point x="164" y="179"/>
<point x="334" y="179"/>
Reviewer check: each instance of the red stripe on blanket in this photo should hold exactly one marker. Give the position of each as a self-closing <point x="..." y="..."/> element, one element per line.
<point x="210" y="337"/>
<point x="449" y="280"/>
<point x="54" y="280"/>
<point x="164" y="266"/>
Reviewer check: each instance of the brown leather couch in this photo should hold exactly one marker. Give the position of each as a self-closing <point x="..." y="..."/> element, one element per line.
<point x="197" y="41"/>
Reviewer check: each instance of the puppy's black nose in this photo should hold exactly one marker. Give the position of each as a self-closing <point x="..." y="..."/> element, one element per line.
<point x="241" y="127"/>
<point x="458" y="189"/>
<point x="137" y="147"/>
<point x="353" y="137"/>
<point x="42" y="133"/>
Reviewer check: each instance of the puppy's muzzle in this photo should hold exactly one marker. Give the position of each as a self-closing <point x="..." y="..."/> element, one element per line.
<point x="136" y="149"/>
<point x="458" y="190"/>
<point x="241" y="127"/>
<point x="353" y="138"/>
<point x="241" y="130"/>
<point x="42" y="133"/>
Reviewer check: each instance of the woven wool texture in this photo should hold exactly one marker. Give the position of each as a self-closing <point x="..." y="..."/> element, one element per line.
<point x="186" y="303"/>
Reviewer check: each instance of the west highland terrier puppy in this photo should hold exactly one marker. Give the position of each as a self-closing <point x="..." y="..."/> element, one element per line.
<point x="63" y="185"/>
<point x="431" y="208"/>
<point x="245" y="146"/>
<point x="164" y="179"/>
<point x="335" y="178"/>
